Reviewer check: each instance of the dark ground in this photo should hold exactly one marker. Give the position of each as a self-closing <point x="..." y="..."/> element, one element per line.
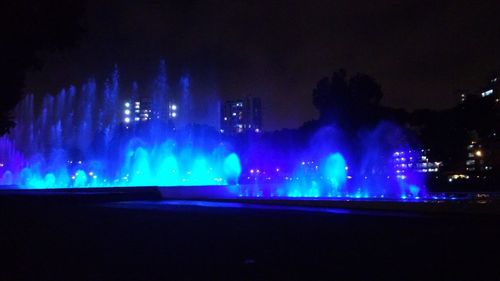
<point x="110" y="237"/>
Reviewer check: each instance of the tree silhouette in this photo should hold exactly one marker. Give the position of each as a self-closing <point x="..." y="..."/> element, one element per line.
<point x="350" y="104"/>
<point x="365" y="90"/>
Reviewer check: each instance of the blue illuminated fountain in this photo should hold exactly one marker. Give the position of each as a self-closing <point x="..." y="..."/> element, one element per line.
<point x="78" y="138"/>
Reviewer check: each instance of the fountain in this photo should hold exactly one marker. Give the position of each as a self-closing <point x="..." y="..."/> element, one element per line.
<point x="80" y="138"/>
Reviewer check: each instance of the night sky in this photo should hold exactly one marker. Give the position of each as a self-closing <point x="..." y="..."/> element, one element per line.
<point x="419" y="51"/>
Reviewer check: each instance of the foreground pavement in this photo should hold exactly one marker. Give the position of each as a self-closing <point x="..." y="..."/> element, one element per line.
<point x="135" y="236"/>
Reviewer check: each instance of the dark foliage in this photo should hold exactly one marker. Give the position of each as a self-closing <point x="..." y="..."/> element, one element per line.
<point x="351" y="103"/>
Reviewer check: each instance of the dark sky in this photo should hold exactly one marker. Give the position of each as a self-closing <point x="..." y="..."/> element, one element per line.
<point x="419" y="51"/>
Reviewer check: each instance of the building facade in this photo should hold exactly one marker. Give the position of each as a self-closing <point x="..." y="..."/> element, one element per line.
<point x="239" y="116"/>
<point x="141" y="110"/>
<point x="414" y="161"/>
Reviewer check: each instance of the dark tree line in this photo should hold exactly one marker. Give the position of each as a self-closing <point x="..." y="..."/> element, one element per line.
<point x="352" y="103"/>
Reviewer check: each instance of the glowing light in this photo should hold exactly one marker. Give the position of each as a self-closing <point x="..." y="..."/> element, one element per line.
<point x="174" y="114"/>
<point x="127" y="119"/>
<point x="487" y="93"/>
<point x="334" y="170"/>
<point x="174" y="107"/>
<point x="479" y="153"/>
<point x="127" y="111"/>
<point x="232" y="167"/>
<point x="80" y="179"/>
<point x="127" y="104"/>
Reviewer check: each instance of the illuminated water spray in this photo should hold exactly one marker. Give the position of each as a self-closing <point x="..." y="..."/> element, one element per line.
<point x="232" y="168"/>
<point x="334" y="171"/>
<point x="106" y="136"/>
<point x="100" y="135"/>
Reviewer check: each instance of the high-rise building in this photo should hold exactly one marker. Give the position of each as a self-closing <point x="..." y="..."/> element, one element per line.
<point x="483" y="155"/>
<point x="475" y="157"/>
<point x="414" y="160"/>
<point x="141" y="111"/>
<point x="238" y="116"/>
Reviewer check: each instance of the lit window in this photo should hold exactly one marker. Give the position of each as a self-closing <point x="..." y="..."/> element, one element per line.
<point x="487" y="93"/>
